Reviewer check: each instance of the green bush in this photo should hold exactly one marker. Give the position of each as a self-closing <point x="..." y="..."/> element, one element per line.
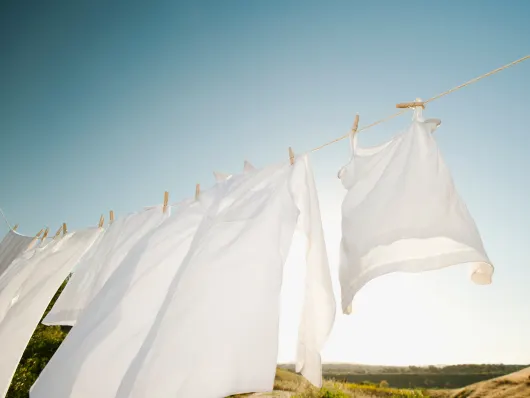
<point x="39" y="351"/>
<point x="41" y="347"/>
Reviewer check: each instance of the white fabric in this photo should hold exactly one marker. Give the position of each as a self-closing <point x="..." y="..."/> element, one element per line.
<point x="198" y="299"/>
<point x="97" y="352"/>
<point x="95" y="269"/>
<point x="29" y="285"/>
<point x="15" y="276"/>
<point x="11" y="246"/>
<point x="403" y="213"/>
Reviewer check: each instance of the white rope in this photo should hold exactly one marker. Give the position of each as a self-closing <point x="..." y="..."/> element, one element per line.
<point x="476" y="79"/>
<point x="5" y="219"/>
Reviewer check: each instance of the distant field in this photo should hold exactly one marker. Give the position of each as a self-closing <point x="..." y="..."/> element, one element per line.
<point x="431" y="377"/>
<point x="290" y="385"/>
<point x="400" y="380"/>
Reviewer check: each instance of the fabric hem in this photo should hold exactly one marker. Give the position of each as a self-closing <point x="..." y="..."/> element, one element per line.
<point x="416" y="266"/>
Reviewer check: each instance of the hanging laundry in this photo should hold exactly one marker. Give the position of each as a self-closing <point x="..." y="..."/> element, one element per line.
<point x="95" y="269"/>
<point x="11" y="246"/>
<point x="30" y="285"/>
<point x="403" y="213"/>
<point x="17" y="273"/>
<point x="111" y="330"/>
<point x="206" y="310"/>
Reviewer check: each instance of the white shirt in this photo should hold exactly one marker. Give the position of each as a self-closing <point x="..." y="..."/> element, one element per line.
<point x="403" y="213"/>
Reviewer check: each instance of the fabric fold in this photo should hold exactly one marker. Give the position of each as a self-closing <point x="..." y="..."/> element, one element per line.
<point x="319" y="308"/>
<point x="12" y="245"/>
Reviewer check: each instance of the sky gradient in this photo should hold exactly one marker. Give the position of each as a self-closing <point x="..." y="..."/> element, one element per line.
<point x="106" y="104"/>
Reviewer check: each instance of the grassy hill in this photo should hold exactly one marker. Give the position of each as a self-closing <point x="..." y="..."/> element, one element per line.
<point x="514" y="385"/>
<point x="288" y="384"/>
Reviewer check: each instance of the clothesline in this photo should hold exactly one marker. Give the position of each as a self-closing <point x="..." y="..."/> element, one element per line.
<point x="143" y="290"/>
<point x="5" y="219"/>
<point x="395" y="114"/>
<point x="476" y="79"/>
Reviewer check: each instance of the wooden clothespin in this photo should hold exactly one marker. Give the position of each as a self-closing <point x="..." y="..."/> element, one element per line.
<point x="45" y="233"/>
<point x="58" y="233"/>
<point x="219" y="176"/>
<point x="15" y="228"/>
<point x="197" y="191"/>
<point x="101" y="221"/>
<point x="166" y="199"/>
<point x="65" y="230"/>
<point x="414" y="104"/>
<point x="111" y="217"/>
<point x="291" y="155"/>
<point x="355" y="125"/>
<point x="35" y="238"/>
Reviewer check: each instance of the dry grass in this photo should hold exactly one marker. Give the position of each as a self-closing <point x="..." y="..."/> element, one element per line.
<point x="333" y="389"/>
<point x="288" y="384"/>
<point x="515" y="385"/>
<point x="291" y="385"/>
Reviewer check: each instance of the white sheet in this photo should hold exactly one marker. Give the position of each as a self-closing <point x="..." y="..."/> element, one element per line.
<point x="30" y="284"/>
<point x="93" y="272"/>
<point x="97" y="352"/>
<point x="402" y="213"/>
<point x="220" y="319"/>
<point x="188" y="306"/>
<point x="11" y="246"/>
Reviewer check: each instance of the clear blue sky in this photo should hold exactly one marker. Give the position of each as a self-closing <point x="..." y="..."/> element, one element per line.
<point x="104" y="105"/>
